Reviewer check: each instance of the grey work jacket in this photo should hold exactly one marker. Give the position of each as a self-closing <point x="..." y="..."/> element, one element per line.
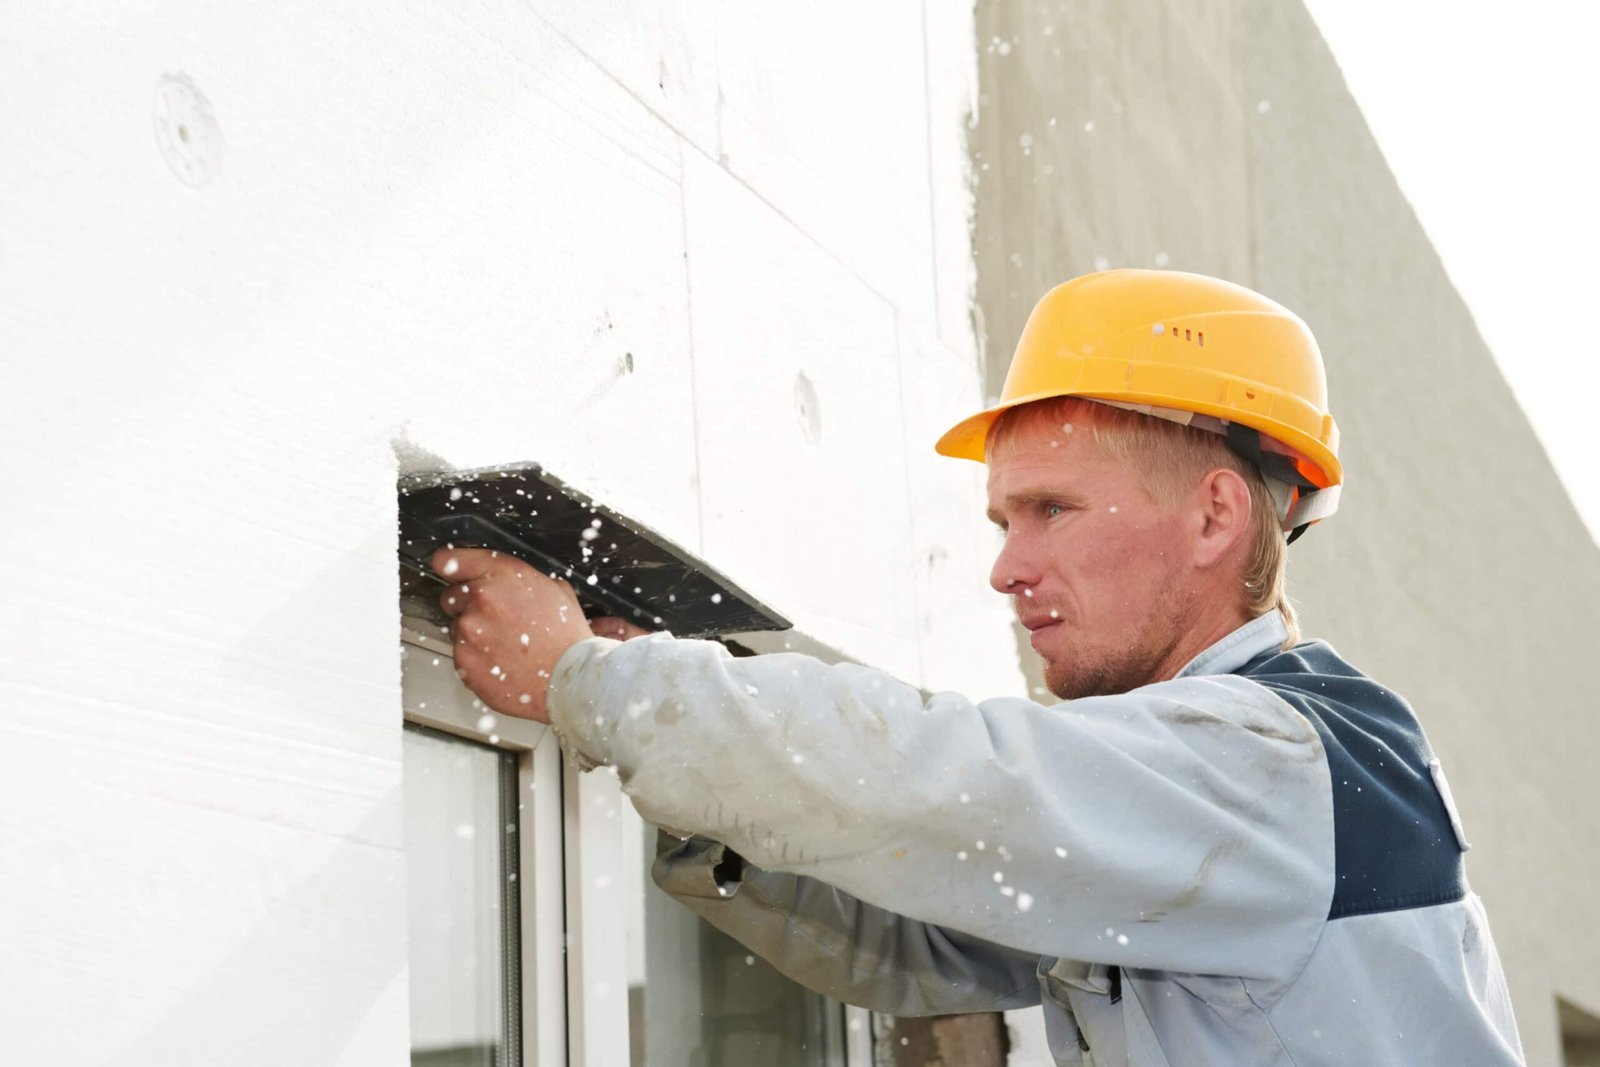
<point x="1257" y="862"/>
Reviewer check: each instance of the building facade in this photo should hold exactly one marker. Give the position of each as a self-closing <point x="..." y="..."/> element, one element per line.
<point x="730" y="271"/>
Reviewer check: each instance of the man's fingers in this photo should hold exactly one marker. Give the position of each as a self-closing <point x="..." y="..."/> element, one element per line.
<point x="465" y="564"/>
<point x="455" y="599"/>
<point x="470" y="630"/>
<point x="615" y="628"/>
<point x="467" y="657"/>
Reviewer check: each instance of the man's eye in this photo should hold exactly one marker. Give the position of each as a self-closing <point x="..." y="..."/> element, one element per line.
<point x="1052" y="510"/>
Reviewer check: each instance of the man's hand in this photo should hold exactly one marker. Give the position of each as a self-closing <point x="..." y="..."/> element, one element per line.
<point x="511" y="625"/>
<point x="615" y="628"/>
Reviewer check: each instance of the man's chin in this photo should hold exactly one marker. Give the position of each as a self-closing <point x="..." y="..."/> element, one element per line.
<point x="1067" y="683"/>
<point x="1060" y="681"/>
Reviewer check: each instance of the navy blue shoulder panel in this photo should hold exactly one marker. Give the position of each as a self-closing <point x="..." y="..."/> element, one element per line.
<point x="1393" y="844"/>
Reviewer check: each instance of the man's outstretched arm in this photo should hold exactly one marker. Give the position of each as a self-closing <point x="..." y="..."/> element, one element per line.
<point x="1184" y="826"/>
<point x="832" y="943"/>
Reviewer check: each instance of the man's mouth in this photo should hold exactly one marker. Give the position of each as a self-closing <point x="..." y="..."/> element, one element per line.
<point x="1039" y="627"/>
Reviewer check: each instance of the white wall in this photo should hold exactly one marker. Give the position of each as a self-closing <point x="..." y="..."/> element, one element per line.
<point x="245" y="248"/>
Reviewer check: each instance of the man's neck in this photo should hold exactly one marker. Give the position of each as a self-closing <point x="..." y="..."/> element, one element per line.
<point x="1194" y="640"/>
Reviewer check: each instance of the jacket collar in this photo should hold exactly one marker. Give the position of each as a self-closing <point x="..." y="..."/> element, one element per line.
<point x="1261" y="634"/>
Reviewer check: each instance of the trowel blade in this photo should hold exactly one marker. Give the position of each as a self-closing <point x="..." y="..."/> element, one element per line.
<point x="617" y="565"/>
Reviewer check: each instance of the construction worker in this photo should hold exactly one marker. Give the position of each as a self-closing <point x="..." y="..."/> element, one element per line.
<point x="1224" y="846"/>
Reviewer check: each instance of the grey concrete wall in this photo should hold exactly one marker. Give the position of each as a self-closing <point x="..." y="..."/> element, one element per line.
<point x="1108" y="134"/>
<point x="1224" y="141"/>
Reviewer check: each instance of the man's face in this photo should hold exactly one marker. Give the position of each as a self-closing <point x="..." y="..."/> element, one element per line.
<point x="1094" y="566"/>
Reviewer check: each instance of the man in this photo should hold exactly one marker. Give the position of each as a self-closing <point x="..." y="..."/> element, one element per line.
<point x="1224" y="847"/>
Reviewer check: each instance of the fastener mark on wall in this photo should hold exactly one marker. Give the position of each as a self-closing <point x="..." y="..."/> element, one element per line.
<point x="807" y="408"/>
<point x="187" y="133"/>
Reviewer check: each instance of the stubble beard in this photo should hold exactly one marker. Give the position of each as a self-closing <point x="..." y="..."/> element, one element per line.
<point x="1110" y="675"/>
<point x="1121" y="670"/>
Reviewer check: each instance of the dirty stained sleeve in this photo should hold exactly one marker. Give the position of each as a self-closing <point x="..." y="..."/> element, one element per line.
<point x="1184" y="826"/>
<point x="831" y="942"/>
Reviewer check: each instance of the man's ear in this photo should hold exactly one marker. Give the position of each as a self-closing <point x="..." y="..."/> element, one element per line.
<point x="1222" y="507"/>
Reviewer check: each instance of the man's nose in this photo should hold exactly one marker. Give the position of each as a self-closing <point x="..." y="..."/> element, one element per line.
<point x="1012" y="571"/>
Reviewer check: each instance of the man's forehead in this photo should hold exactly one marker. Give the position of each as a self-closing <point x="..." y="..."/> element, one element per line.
<point x="1018" y="466"/>
<point x="1028" y="474"/>
<point x="1029" y="467"/>
<point x="1032" y="456"/>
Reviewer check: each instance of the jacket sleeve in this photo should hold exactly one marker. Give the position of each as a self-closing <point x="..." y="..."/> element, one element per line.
<point x="1184" y="826"/>
<point x="830" y="942"/>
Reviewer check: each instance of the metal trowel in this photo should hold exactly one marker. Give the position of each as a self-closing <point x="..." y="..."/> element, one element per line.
<point x="616" y="565"/>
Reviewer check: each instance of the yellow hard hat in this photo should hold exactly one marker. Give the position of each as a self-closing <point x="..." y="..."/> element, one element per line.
<point x="1168" y="342"/>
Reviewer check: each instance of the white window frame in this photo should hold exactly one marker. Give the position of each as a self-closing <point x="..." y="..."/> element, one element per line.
<point x="597" y="960"/>
<point x="574" y="1003"/>
<point x="433" y="696"/>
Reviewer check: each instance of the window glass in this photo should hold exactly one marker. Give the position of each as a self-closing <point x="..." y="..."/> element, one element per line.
<point x="697" y="996"/>
<point x="460" y="827"/>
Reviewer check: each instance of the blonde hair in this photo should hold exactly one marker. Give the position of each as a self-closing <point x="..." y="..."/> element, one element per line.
<point x="1170" y="460"/>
